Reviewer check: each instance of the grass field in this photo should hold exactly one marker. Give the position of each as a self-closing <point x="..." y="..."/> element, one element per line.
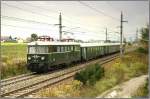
<point x="14" y="50"/>
<point x="13" y="59"/>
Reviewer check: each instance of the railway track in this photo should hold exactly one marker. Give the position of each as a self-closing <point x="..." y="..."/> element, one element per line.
<point x="28" y="86"/>
<point x="17" y="79"/>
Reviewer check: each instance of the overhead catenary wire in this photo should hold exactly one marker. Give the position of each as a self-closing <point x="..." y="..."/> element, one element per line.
<point x="112" y="6"/>
<point x="29" y="11"/>
<point x="66" y="19"/>
<point x="98" y="11"/>
<point x="25" y="20"/>
<point x="23" y="27"/>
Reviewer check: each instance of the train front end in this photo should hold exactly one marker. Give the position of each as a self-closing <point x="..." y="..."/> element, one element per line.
<point x="37" y="57"/>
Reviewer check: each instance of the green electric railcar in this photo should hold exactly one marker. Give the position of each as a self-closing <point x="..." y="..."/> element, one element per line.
<point x="43" y="56"/>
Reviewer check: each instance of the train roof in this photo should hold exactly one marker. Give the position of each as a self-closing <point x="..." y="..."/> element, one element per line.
<point x="72" y="43"/>
<point x="98" y="44"/>
<point x="52" y="43"/>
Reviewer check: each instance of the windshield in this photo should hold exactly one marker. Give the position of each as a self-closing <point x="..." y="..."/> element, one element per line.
<point x="37" y="49"/>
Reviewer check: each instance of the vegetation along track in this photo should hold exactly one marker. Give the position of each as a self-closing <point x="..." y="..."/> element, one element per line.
<point x="28" y="86"/>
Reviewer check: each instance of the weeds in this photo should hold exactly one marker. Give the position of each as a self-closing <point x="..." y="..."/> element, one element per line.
<point x="142" y="91"/>
<point x="13" y="59"/>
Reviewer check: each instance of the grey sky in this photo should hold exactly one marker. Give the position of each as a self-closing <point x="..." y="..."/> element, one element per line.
<point x="74" y="14"/>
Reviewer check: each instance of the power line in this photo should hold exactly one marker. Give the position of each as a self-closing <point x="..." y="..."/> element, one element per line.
<point x="38" y="13"/>
<point x="25" y="20"/>
<point x="111" y="6"/>
<point x="98" y="11"/>
<point x="20" y="26"/>
<point x="29" y="11"/>
<point x="52" y="11"/>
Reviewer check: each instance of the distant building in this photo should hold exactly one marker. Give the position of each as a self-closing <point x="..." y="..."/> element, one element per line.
<point x="45" y="38"/>
<point x="11" y="40"/>
<point x="68" y="40"/>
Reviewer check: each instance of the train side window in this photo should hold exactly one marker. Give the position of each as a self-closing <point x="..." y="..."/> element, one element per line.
<point x="58" y="48"/>
<point x="76" y="48"/>
<point x="71" y="48"/>
<point x="68" y="48"/>
<point x="50" y="49"/>
<point x="62" y="48"/>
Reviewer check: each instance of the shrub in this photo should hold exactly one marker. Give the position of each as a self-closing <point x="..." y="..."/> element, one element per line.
<point x="142" y="50"/>
<point x="90" y="75"/>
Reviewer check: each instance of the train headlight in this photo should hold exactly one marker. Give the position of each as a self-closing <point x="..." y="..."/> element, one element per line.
<point x="42" y="58"/>
<point x="29" y="58"/>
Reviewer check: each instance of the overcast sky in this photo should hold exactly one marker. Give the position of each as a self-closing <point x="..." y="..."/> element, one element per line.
<point x="86" y="19"/>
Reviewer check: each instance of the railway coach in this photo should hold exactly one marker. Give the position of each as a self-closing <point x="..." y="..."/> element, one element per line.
<point x="44" y="56"/>
<point x="95" y="50"/>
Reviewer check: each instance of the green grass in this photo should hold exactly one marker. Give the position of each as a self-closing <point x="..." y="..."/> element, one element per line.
<point x="13" y="59"/>
<point x="14" y="50"/>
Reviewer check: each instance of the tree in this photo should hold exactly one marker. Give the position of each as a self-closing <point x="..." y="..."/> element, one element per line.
<point x="10" y="38"/>
<point x="34" y="37"/>
<point x="145" y="36"/>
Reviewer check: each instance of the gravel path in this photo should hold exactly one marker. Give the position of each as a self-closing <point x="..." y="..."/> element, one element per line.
<point x="126" y="89"/>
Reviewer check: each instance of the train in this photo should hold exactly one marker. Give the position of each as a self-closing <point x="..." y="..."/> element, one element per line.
<point x="45" y="56"/>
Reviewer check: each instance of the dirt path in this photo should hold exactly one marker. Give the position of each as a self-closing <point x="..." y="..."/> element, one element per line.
<point x="126" y="89"/>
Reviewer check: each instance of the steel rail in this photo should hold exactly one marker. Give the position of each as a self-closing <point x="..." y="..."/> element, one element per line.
<point x="16" y="77"/>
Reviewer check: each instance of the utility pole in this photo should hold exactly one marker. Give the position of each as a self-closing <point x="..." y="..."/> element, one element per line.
<point x="106" y="35"/>
<point x="60" y="27"/>
<point x="121" y="34"/>
<point x="137" y="36"/>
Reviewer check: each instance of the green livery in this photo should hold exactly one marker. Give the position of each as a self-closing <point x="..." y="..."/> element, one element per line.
<point x="44" y="56"/>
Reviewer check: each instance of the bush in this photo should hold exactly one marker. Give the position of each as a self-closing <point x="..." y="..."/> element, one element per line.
<point x="90" y="75"/>
<point x="142" y="50"/>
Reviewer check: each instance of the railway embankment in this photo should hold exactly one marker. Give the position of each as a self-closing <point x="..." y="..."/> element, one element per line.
<point x="132" y="64"/>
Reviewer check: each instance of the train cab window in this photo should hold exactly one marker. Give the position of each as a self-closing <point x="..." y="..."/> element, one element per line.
<point x="42" y="49"/>
<point x="32" y="50"/>
<point x="38" y="49"/>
